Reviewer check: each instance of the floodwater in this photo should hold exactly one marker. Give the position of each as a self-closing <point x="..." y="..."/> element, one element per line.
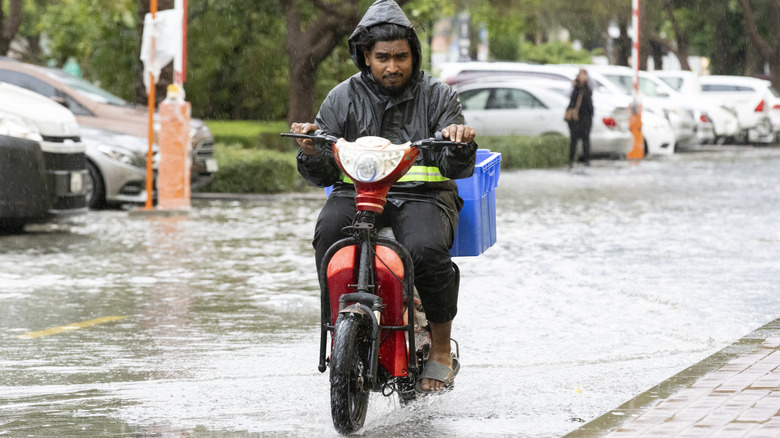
<point x="603" y="283"/>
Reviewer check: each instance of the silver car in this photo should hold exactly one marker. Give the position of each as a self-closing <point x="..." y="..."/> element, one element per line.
<point x="116" y="165"/>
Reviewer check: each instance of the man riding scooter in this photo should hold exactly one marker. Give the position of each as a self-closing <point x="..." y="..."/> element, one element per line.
<point x="393" y="98"/>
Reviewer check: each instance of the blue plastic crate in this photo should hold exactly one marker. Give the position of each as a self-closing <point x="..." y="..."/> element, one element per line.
<point x="476" y="230"/>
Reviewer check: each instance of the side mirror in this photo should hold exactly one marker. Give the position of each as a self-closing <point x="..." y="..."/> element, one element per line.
<point x="60" y="100"/>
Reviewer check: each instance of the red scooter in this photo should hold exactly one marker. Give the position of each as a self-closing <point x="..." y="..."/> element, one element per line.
<point x="379" y="335"/>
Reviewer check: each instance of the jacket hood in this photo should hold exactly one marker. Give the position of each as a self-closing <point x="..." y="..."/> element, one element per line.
<point x="383" y="11"/>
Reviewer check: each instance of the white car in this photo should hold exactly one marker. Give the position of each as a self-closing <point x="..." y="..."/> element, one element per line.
<point x="723" y="116"/>
<point x="656" y="138"/>
<point x="658" y="135"/>
<point x="41" y="157"/>
<point x="533" y="107"/>
<point x="683" y="114"/>
<point x="754" y="100"/>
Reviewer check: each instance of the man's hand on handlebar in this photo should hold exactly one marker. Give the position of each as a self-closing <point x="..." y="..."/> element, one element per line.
<point x="459" y="133"/>
<point x="307" y="145"/>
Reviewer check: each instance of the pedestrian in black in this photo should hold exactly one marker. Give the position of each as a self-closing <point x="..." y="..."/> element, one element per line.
<point x="579" y="115"/>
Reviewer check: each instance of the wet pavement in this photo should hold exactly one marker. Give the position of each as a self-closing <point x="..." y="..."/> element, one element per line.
<point x="604" y="282"/>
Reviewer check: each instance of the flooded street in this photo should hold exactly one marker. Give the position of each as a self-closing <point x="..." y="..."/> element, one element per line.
<point x="603" y="283"/>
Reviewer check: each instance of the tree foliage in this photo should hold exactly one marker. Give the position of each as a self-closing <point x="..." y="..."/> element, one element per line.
<point x="100" y="35"/>
<point x="265" y="59"/>
<point x="236" y="64"/>
<point x="10" y="21"/>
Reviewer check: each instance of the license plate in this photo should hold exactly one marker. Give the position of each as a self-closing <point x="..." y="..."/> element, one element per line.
<point x="211" y="165"/>
<point x="76" y="183"/>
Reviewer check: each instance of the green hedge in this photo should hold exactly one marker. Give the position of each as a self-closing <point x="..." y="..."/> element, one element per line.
<point x="549" y="150"/>
<point x="254" y="171"/>
<point x="252" y="135"/>
<point x="253" y="158"/>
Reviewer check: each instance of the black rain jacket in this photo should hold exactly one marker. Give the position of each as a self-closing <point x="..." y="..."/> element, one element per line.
<point x="357" y="107"/>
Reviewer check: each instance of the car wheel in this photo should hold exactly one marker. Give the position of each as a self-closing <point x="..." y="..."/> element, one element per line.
<point x="96" y="189"/>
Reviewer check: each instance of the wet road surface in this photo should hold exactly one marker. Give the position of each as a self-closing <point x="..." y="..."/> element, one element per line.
<point x="604" y="282"/>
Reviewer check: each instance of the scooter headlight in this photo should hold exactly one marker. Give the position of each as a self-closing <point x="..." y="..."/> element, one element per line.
<point x="369" y="166"/>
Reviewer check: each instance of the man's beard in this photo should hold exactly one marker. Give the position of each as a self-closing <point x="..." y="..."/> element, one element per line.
<point x="395" y="90"/>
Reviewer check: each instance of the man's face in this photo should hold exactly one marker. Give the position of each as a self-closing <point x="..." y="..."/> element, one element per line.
<point x="390" y="63"/>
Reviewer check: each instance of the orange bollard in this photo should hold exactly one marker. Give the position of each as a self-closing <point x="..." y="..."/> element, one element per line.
<point x="635" y="124"/>
<point x="173" y="173"/>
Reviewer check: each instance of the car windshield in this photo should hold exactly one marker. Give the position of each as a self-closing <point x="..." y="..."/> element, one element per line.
<point x="673" y="82"/>
<point x="87" y="89"/>
<point x="625" y="83"/>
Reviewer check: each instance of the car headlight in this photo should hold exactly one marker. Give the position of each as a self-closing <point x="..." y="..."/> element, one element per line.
<point x="199" y="128"/>
<point x="15" y="126"/>
<point x="122" y="155"/>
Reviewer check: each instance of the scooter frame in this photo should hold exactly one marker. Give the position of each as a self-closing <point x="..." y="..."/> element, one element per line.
<point x="364" y="301"/>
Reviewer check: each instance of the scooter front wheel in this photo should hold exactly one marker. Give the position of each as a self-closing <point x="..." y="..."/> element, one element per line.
<point x="349" y="366"/>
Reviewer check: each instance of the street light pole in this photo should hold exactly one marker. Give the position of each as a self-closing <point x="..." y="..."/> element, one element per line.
<point x="635" y="122"/>
<point x="150" y="104"/>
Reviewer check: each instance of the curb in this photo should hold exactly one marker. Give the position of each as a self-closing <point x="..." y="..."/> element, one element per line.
<point x="642" y="403"/>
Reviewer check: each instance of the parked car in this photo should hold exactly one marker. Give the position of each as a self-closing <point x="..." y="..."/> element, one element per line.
<point x="723" y="116"/>
<point x="534" y="107"/>
<point x="97" y="108"/>
<point x="42" y="170"/>
<point x="655" y="132"/>
<point x="684" y="115"/>
<point x="754" y="100"/>
<point x="455" y="73"/>
<point x="116" y="165"/>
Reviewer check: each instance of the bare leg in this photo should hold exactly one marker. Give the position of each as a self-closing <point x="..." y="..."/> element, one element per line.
<point x="440" y="352"/>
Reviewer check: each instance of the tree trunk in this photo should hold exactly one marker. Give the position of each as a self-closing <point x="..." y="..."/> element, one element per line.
<point x="750" y="62"/>
<point x="644" y="40"/>
<point x="306" y="49"/>
<point x="303" y="78"/>
<point x="681" y="40"/>
<point x="770" y="50"/>
<point x="9" y="25"/>
<point x="657" y="54"/>
<point x="623" y="47"/>
<point x="166" y="75"/>
<point x="724" y="60"/>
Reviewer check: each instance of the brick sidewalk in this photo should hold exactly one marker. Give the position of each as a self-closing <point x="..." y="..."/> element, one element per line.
<point x="733" y="393"/>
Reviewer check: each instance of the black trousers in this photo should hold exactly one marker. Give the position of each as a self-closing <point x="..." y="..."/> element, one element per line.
<point x="426" y="232"/>
<point x="579" y="133"/>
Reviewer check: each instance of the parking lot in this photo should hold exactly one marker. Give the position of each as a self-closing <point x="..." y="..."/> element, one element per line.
<point x="603" y="283"/>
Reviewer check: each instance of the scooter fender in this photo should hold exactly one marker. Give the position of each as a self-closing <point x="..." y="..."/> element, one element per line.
<point x="362" y="309"/>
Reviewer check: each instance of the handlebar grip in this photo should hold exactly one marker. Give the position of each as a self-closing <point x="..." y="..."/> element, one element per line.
<point x="318" y="136"/>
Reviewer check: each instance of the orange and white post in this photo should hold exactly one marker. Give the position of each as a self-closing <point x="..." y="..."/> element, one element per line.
<point x="173" y="173"/>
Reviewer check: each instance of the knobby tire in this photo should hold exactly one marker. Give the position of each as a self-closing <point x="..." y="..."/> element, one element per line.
<point x="349" y="364"/>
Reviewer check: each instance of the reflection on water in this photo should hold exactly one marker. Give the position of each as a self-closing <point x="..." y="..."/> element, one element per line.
<point x="602" y="284"/>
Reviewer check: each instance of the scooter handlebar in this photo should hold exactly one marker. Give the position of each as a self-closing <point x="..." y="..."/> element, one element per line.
<point x="437" y="143"/>
<point x="318" y="137"/>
